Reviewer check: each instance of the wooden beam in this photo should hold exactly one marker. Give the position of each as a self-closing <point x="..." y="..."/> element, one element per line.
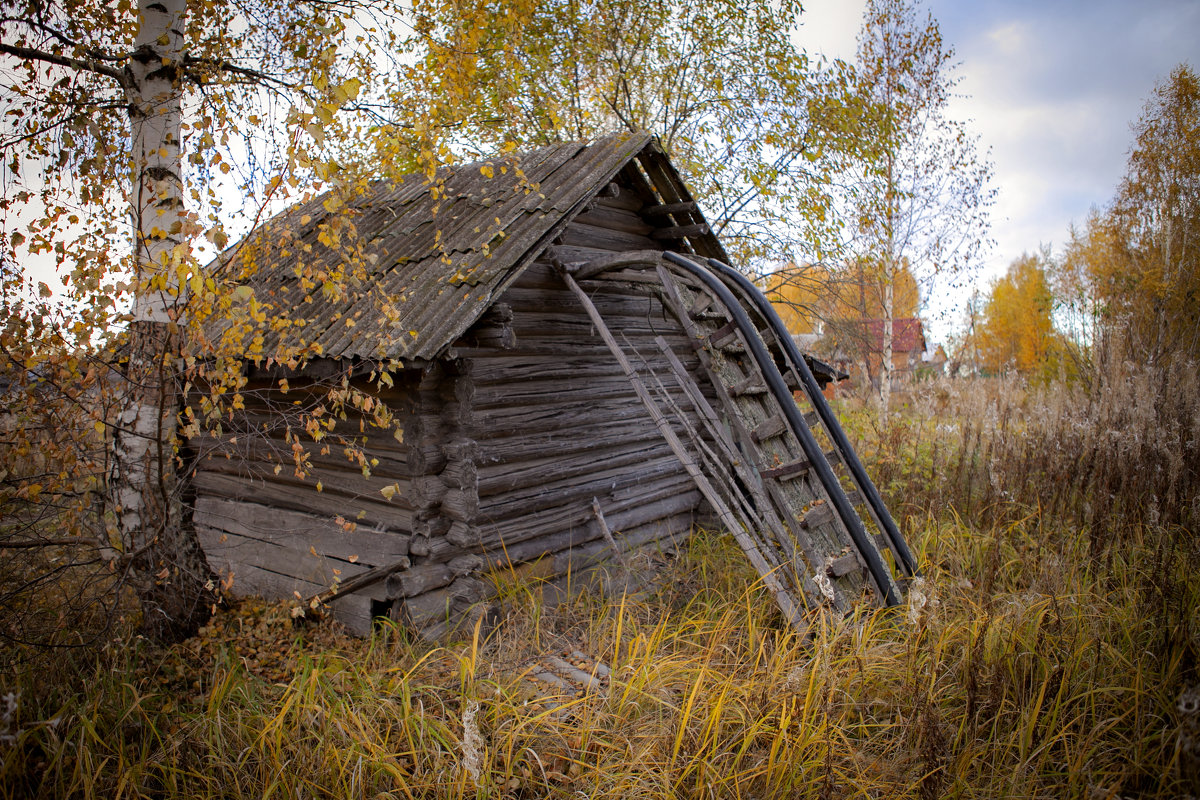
<point x="722" y="333"/>
<point x="818" y="515"/>
<point x="363" y="579"/>
<point x="587" y="269"/>
<point x="703" y="301"/>
<point x="664" y="209"/>
<point x="681" y="232"/>
<point x="771" y="426"/>
<point x="790" y="471"/>
<point x="750" y="385"/>
<point x="843" y="566"/>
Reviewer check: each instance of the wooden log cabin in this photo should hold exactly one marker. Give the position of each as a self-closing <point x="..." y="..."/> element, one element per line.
<point x="448" y="414"/>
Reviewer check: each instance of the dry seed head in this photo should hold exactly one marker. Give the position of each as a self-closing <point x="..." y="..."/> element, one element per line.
<point x="472" y="741"/>
<point x="922" y="600"/>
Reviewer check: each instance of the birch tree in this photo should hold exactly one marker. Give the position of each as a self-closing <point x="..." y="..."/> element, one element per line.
<point x="744" y="114"/>
<point x="1129" y="278"/>
<point x="917" y="192"/>
<point x="94" y="136"/>
<point x="1151" y="288"/>
<point x="167" y="565"/>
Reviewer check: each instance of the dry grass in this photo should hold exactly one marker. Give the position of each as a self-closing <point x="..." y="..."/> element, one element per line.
<point x="1030" y="663"/>
<point x="1109" y="455"/>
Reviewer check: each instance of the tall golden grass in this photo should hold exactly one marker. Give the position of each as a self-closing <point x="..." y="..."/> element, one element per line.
<point x="1118" y="451"/>
<point x="1041" y="655"/>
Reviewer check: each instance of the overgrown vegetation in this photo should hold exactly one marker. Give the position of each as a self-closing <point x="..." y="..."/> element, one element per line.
<point x="1042" y="655"/>
<point x="1108" y="456"/>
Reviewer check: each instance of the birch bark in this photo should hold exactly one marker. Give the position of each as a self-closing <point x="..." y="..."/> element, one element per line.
<point x="168" y="568"/>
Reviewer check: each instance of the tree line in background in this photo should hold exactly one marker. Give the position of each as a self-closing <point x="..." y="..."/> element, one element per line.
<point x="1125" y="288"/>
<point x="1127" y="285"/>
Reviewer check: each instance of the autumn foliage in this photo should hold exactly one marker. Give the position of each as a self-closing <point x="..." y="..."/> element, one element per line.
<point x="839" y="312"/>
<point x="1148" y="281"/>
<point x="1016" y="332"/>
<point x="809" y="297"/>
<point x="1126" y="286"/>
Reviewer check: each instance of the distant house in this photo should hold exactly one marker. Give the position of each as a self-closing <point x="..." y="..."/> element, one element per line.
<point x="908" y="347"/>
<point x="837" y="312"/>
<point x="855" y="346"/>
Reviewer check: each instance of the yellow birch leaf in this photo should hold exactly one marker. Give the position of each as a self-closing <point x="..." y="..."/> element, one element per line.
<point x="348" y="90"/>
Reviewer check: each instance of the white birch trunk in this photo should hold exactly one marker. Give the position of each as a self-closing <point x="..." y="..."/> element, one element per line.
<point x="156" y="196"/>
<point x="162" y="556"/>
<point x="888" y="279"/>
<point x="156" y="118"/>
<point x="888" y="339"/>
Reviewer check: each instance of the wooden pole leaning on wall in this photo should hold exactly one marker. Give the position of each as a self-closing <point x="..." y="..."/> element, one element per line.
<point x="789" y="607"/>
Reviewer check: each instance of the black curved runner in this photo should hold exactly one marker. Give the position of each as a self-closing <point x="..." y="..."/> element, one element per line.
<point x="783" y="396"/>
<point x="895" y="539"/>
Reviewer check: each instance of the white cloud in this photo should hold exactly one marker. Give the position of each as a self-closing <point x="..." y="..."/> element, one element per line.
<point x="1052" y="91"/>
<point x="1012" y="39"/>
<point x="830" y="27"/>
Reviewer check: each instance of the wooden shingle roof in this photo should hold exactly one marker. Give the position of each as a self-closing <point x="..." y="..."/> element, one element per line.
<point x="401" y="269"/>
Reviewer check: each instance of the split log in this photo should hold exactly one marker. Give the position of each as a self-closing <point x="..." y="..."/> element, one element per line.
<point x="580" y="234"/>
<point x="602" y="215"/>
<point x="354" y="611"/>
<point x="616" y="260"/>
<point x="664" y="209"/>
<point x="504" y="554"/>
<point x="376" y="513"/>
<point x="357" y="583"/>
<point x="228" y="553"/>
<point x="325" y="535"/>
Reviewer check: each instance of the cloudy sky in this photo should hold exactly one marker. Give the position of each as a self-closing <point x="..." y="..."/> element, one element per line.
<point x="1051" y="88"/>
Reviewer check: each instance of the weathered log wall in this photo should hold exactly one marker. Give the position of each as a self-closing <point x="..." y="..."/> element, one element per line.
<point x="284" y="515"/>
<point x="558" y="424"/>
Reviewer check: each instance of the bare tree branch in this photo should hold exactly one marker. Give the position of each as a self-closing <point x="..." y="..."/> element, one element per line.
<point x="92" y="53"/>
<point x="32" y="54"/>
<point x="47" y="543"/>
